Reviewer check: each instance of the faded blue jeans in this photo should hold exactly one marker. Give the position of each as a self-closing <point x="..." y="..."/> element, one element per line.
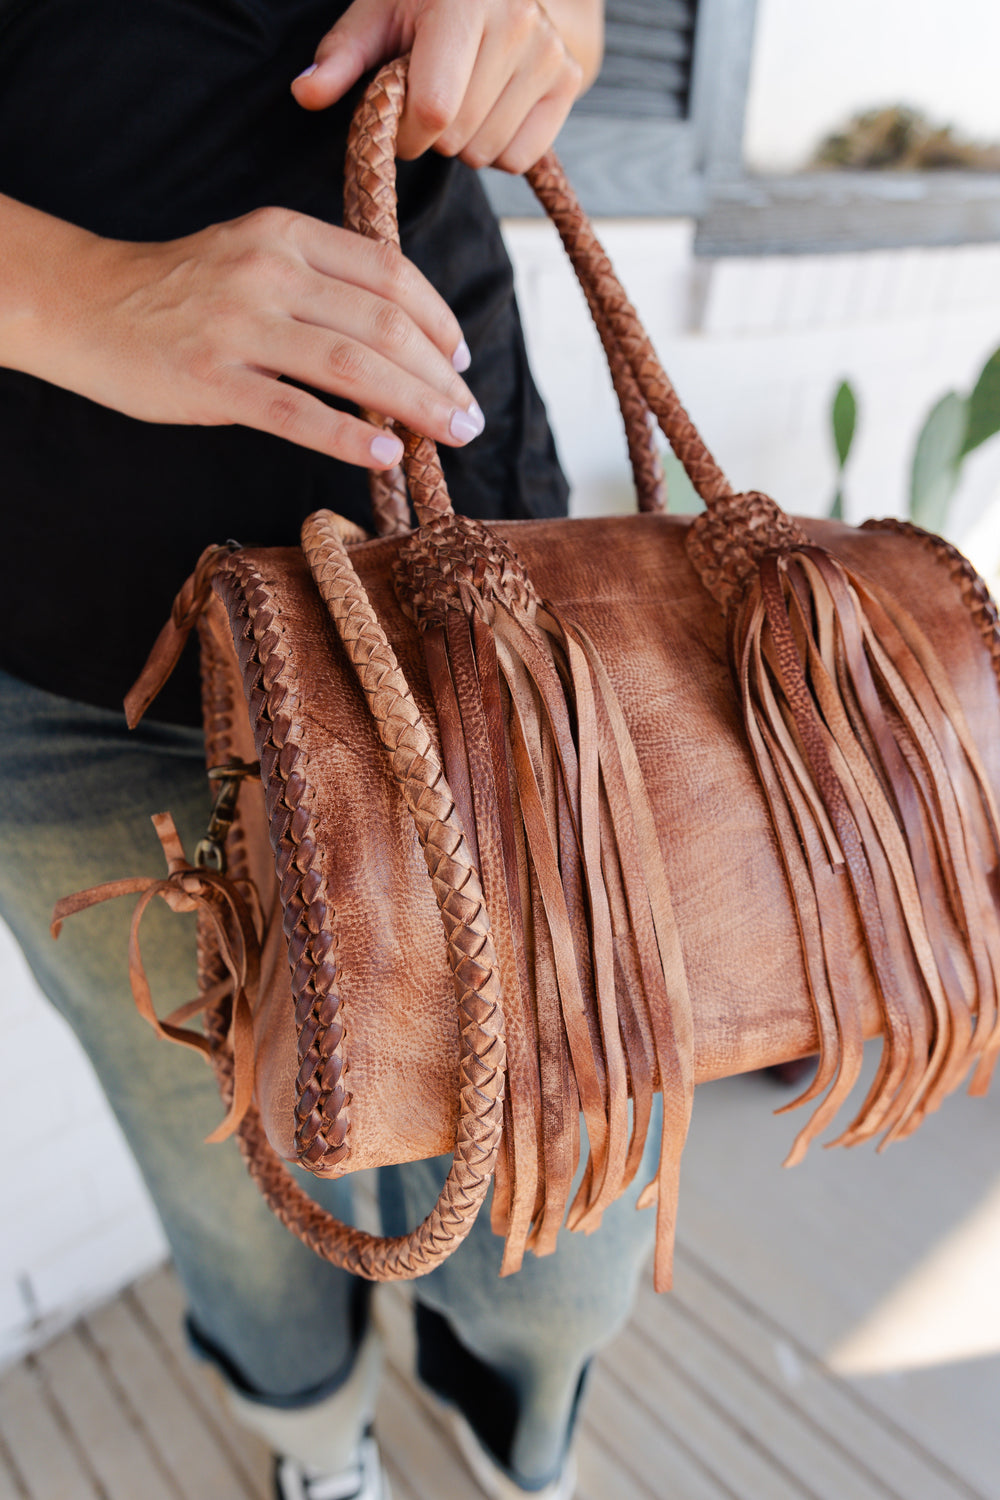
<point x="76" y="793"/>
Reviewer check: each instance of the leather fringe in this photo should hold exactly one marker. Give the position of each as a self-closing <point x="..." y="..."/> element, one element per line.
<point x="888" y="829"/>
<point x="543" y="769"/>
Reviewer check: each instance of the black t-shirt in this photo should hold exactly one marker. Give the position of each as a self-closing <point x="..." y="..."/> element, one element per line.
<point x="147" y="120"/>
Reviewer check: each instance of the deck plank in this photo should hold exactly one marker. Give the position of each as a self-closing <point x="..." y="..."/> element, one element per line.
<point x="760" y="1413"/>
<point x="773" y="1354"/>
<point x="819" y="1250"/>
<point x="601" y="1475"/>
<point x="401" y="1487"/>
<point x="651" y="1450"/>
<point x="122" y="1460"/>
<point x="170" y="1419"/>
<point x="11" y="1487"/>
<point x="729" y="1454"/>
<point x="159" y="1300"/>
<point x="417" y="1444"/>
<point x="44" y="1453"/>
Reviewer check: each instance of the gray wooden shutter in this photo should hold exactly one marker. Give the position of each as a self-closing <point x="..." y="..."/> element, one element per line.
<point x="665" y="115"/>
<point x="648" y="55"/>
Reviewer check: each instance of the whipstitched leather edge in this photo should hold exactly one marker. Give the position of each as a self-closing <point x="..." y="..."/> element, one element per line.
<point x="972" y="586"/>
<point x="322" y="1123"/>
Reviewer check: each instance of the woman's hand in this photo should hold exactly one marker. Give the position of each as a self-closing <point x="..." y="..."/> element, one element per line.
<point x="490" y="81"/>
<point x="196" y="330"/>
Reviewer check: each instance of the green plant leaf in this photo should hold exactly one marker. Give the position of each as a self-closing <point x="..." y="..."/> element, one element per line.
<point x="682" y="497"/>
<point x="837" y="508"/>
<point x="844" y="415"/>
<point x="984" y="405"/>
<point x="936" y="461"/>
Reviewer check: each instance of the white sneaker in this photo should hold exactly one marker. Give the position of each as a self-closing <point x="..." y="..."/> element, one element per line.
<point x="491" y="1478"/>
<point x="363" y="1480"/>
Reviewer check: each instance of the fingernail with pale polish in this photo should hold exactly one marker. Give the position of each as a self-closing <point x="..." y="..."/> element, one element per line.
<point x="466" y="425"/>
<point x="385" y="449"/>
<point x="307" y="72"/>
<point x="462" y="357"/>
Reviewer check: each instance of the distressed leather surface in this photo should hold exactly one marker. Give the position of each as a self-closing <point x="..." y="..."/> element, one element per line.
<point x="629" y="583"/>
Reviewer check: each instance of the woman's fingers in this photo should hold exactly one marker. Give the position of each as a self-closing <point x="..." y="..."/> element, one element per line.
<point x="198" y="330"/>
<point x="549" y="72"/>
<point x="254" y="399"/>
<point x="513" y="139"/>
<point x="348" y="367"/>
<point x="384" y="327"/>
<point x="536" y="133"/>
<point x="479" y="71"/>
<point x="446" y="54"/>
<point x="384" y="271"/>
<point x="364" y="36"/>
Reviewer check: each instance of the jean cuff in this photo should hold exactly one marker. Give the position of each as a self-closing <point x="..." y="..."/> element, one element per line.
<point x="204" y="1348"/>
<point x="486" y="1398"/>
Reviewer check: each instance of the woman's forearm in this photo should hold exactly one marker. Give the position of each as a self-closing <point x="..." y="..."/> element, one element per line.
<point x="45" y="268"/>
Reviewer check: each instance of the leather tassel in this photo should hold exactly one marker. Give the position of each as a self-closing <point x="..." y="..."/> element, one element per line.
<point x="888" y="829"/>
<point x="539" y="757"/>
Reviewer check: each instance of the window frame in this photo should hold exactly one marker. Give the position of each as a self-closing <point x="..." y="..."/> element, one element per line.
<point x="626" y="167"/>
<point x="693" y="168"/>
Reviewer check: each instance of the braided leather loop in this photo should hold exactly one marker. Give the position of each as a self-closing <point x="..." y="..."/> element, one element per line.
<point x="322" y="1124"/>
<point x="471" y="954"/>
<point x="387" y="491"/>
<point x="608" y="302"/>
<point x="370" y="209"/>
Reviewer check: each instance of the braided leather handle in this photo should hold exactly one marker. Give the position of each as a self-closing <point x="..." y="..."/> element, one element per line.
<point x="482" y="1054"/>
<point x="609" y="305"/>
<point x="370" y="209"/>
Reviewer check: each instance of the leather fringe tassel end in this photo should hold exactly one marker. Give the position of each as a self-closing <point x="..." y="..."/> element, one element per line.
<point x="546" y="779"/>
<point x="889" y="832"/>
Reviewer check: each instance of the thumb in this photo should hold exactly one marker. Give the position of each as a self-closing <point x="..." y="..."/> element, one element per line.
<point x="361" y="39"/>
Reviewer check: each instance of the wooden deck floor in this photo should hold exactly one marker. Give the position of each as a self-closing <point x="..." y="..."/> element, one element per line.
<point x="834" y="1335"/>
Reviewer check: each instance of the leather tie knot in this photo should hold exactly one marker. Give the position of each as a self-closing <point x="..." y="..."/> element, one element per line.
<point x="727" y="541"/>
<point x="233" y="912"/>
<point x="455" y="563"/>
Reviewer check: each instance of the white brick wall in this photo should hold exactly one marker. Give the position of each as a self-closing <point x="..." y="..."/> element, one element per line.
<point x="77" y="1223"/>
<point x="756" y="348"/>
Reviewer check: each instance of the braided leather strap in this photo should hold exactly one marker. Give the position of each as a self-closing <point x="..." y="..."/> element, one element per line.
<point x="271" y="687"/>
<point x="370" y="209"/>
<point x="387" y="490"/>
<point x="607" y="300"/>
<point x="401" y="1258"/>
<point x="471" y="954"/>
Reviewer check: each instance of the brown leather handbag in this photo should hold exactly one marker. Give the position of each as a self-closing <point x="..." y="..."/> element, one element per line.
<point x="554" y="815"/>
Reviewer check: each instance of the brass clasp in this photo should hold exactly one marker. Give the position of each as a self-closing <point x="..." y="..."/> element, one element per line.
<point x="210" y="853"/>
